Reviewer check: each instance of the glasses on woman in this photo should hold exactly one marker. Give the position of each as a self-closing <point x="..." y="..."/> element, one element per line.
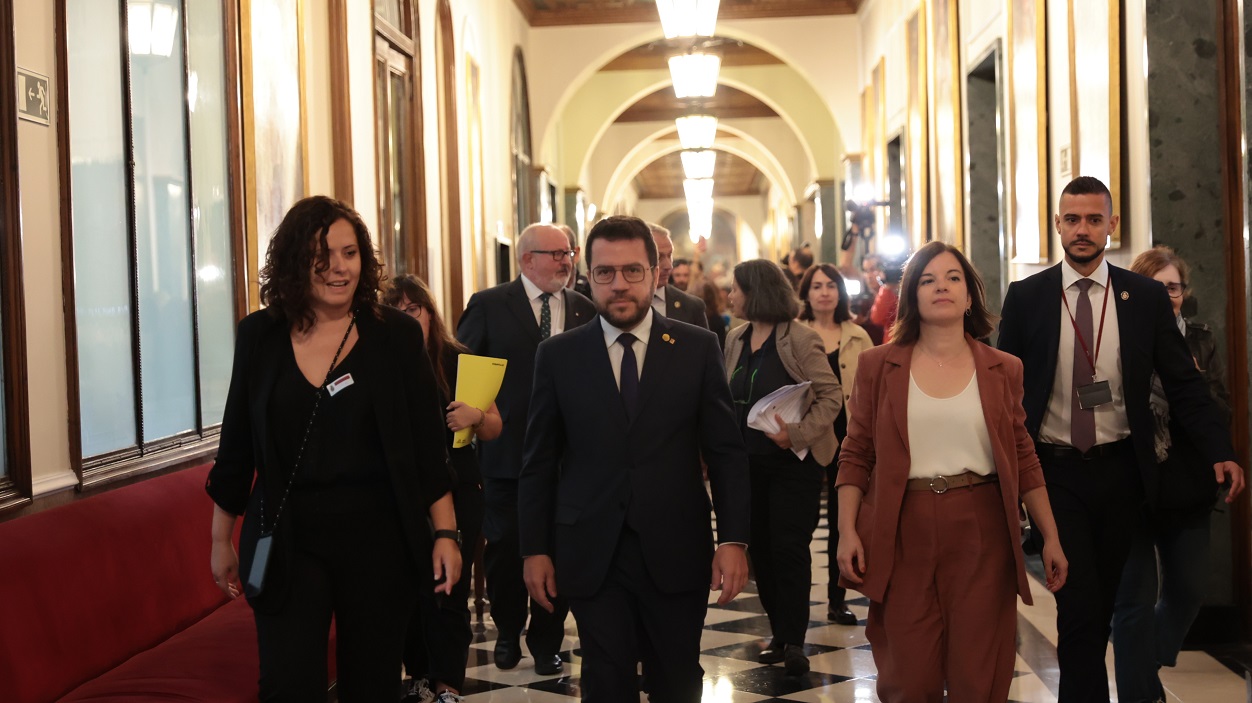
<point x="633" y="273"/>
<point x="1175" y="290"/>
<point x="558" y="255"/>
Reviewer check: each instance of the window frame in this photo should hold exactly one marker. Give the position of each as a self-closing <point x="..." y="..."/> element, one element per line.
<point x="191" y="446"/>
<point x="15" y="485"/>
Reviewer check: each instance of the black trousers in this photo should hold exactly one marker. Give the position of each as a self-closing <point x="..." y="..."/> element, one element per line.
<point x="349" y="561"/>
<point x="786" y="502"/>
<point x="1094" y="502"/>
<point x="630" y="620"/>
<point x="502" y="560"/>
<point x="436" y="645"/>
<point x="835" y="593"/>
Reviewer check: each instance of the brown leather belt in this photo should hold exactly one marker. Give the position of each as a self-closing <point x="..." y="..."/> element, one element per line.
<point x="942" y="484"/>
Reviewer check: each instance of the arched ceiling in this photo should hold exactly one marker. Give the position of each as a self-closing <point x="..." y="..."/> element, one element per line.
<point x="733" y="175"/>
<point x="551" y="13"/>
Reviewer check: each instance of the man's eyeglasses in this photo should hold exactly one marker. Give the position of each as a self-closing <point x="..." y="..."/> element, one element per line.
<point x="1175" y="290"/>
<point x="558" y="255"/>
<point x="633" y="273"/>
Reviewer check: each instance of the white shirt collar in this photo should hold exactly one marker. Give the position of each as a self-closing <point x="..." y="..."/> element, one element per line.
<point x="642" y="331"/>
<point x="659" y="293"/>
<point x="1068" y="275"/>
<point x="532" y="291"/>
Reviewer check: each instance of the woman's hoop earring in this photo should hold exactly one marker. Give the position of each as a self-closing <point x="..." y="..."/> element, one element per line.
<point x="969" y="311"/>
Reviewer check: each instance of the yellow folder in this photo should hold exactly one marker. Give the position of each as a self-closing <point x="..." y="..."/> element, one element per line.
<point x="478" y="380"/>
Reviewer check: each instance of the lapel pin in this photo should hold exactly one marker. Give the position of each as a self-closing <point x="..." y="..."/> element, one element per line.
<point x="665" y="337"/>
<point x="1125" y="295"/>
<point x="678" y="303"/>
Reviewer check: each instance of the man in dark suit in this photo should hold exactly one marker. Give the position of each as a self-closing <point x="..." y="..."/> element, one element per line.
<point x="1091" y="336"/>
<point x="668" y="300"/>
<point x="508" y="322"/>
<point x="614" y="512"/>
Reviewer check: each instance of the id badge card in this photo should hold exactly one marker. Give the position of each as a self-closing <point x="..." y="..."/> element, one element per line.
<point x="1094" y="394"/>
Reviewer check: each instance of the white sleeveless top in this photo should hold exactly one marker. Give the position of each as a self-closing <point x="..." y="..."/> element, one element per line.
<point x="948" y="435"/>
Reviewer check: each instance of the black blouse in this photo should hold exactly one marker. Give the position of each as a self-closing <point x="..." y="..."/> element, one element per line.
<point x="841" y="422"/>
<point x="344" y="446"/>
<point x="758" y="374"/>
<point x="465" y="459"/>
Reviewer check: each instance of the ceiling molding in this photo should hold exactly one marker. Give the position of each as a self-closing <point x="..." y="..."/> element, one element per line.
<point x="556" y="13"/>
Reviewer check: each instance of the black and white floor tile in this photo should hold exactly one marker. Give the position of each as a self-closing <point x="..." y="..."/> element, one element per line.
<point x="842" y="665"/>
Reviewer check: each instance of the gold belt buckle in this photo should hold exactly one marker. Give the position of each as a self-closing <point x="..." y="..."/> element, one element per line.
<point x="935" y="489"/>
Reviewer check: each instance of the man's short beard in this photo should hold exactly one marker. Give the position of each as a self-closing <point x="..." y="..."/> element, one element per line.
<point x="1084" y="259"/>
<point x="641" y="311"/>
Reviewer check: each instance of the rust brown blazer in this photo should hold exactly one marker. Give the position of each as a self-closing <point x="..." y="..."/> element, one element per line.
<point x="875" y="455"/>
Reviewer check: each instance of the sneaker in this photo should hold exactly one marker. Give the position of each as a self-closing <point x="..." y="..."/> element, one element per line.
<point x="418" y="691"/>
<point x="449" y="697"/>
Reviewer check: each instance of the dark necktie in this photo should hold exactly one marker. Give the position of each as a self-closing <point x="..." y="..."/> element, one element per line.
<point x="629" y="384"/>
<point x="545" y="317"/>
<point x="1082" y="430"/>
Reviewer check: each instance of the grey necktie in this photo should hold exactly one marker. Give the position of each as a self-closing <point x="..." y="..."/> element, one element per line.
<point x="1082" y="430"/>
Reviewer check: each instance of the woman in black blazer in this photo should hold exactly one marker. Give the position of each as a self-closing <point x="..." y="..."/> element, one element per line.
<point x="333" y="410"/>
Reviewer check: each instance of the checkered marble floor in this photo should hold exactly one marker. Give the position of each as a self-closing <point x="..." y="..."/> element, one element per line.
<point x="842" y="666"/>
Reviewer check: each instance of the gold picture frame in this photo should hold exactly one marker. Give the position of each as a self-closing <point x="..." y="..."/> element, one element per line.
<point x="1029" y="232"/>
<point x="946" y="79"/>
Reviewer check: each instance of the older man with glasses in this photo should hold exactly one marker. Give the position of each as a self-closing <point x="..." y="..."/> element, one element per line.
<point x="508" y="322"/>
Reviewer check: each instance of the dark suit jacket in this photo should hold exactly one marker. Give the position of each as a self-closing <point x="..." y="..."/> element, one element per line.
<point x="406" y="407"/>
<point x="684" y="307"/>
<point x="588" y="471"/>
<point x="1030" y="329"/>
<point x="499" y="322"/>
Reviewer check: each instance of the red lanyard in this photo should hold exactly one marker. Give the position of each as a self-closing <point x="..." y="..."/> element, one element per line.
<point x="1099" y="337"/>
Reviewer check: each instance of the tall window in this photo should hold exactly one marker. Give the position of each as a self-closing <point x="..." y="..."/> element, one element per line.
<point x="149" y="182"/>
<point x="401" y="230"/>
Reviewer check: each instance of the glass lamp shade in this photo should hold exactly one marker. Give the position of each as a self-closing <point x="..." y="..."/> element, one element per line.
<point x="688" y="18"/>
<point x="697" y="131"/>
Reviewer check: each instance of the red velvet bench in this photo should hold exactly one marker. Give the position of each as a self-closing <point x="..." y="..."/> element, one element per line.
<point x="110" y="599"/>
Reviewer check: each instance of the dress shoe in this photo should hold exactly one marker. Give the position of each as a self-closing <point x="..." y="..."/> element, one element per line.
<point x="794" y="660"/>
<point x="548" y="664"/>
<point x="773" y="654"/>
<point x="839" y="614"/>
<point x="507" y="653"/>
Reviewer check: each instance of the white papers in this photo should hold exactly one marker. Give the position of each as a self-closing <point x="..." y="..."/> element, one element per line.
<point x="786" y="402"/>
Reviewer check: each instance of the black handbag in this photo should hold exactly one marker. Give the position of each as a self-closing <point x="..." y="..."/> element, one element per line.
<point x="264" y="549"/>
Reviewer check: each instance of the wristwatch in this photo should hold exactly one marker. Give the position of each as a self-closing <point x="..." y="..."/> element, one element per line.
<point x="454" y="535"/>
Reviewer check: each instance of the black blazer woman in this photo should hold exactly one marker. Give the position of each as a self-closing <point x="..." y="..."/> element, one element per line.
<point x="351" y="537"/>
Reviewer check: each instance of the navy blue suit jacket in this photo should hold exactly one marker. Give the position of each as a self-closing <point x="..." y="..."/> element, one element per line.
<point x="588" y="470"/>
<point x="1150" y="342"/>
<point x="499" y="322"/>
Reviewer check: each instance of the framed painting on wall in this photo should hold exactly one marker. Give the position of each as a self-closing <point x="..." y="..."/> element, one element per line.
<point x="1028" y="116"/>
<point x="275" y="147"/>
<point x="945" y="122"/>
<point x="916" y="194"/>
<point x="1095" y="101"/>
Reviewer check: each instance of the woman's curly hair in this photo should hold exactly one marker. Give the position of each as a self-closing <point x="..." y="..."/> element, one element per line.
<point x="298" y="249"/>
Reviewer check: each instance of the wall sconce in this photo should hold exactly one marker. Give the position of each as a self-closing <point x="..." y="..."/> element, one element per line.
<point x="697" y="131"/>
<point x="151" y="27"/>
<point x="698" y="163"/>
<point x="688" y="18"/>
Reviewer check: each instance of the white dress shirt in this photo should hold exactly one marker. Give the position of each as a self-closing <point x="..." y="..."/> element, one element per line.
<point x="556" y="304"/>
<point x="642" y="332"/>
<point x="1110" y="418"/>
<point x="658" y="301"/>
